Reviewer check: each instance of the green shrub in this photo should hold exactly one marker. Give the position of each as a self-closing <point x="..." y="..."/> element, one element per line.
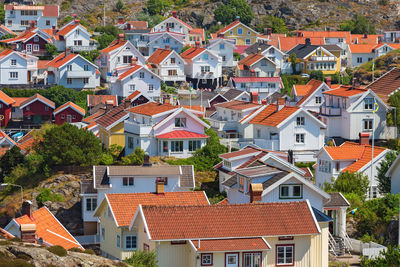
<point x="58" y="250"/>
<point x="16" y="239"/>
<point x="89" y="251"/>
<point x="5" y="243"/>
<point x="46" y="195"/>
<point x="106" y="159"/>
<point x="143" y="259"/>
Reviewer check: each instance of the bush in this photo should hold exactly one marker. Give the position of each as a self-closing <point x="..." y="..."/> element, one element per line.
<point x="46" y="195"/>
<point x="120" y="5"/>
<point x="317" y="75"/>
<point x="348" y="182"/>
<point x="106" y="159"/>
<point x="136" y="158"/>
<point x="51" y="50"/>
<point x="389" y="258"/>
<point x="58" y="250"/>
<point x="143" y="259"/>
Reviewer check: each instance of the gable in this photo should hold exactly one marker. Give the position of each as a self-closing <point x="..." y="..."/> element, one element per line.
<point x="245" y="28"/>
<point x="174" y="20"/>
<point x="324" y="53"/>
<point x="82" y="31"/>
<point x="193" y="123"/>
<point x="132" y="50"/>
<point x="358" y="105"/>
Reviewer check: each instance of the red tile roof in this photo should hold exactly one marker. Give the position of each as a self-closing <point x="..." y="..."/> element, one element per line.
<point x="5" y="136"/>
<point x="192" y="52"/>
<point x="133" y="95"/>
<point x="361" y="48"/>
<point x="39" y="97"/>
<point x="228" y="27"/>
<point x="7" y="30"/>
<point x="42" y="64"/>
<point x="23" y="37"/>
<point x="219" y="221"/>
<point x="27" y="142"/>
<point x="67" y="29"/>
<point x="387" y="84"/>
<point x="312" y="85"/>
<point x="18" y="101"/>
<point x="198" y="31"/>
<point x="50" y="11"/>
<point x="328" y="34"/>
<point x="124" y="205"/>
<point x="61" y="60"/>
<point x="242" y="152"/>
<point x="287" y="43"/>
<point x="94" y="100"/>
<point x="237" y="105"/>
<point x="6" y="99"/>
<point x="117" y="43"/>
<point x="71" y="105"/>
<point x="138" y="24"/>
<point x="271" y="117"/>
<point x="240" y="49"/>
<point x="115" y="115"/>
<point x="181" y="134"/>
<point x="151" y="108"/>
<point x="5" y="234"/>
<point x="232" y="244"/>
<point x="251" y="59"/>
<point x="49" y="228"/>
<point x="130" y="71"/>
<point x="93" y="117"/>
<point x="159" y="55"/>
<point x="346" y="91"/>
<point x="256" y="79"/>
<point x="6" y="52"/>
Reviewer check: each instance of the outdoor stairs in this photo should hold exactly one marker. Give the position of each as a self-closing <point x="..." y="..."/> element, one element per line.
<point x="339" y="246"/>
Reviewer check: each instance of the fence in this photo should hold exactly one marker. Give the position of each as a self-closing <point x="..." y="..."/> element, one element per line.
<point x="88" y="239"/>
<point x="370" y="249"/>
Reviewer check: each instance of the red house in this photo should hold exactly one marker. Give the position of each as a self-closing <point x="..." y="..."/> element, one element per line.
<point x="5" y="108"/>
<point x="69" y="112"/>
<point x="37" y="109"/>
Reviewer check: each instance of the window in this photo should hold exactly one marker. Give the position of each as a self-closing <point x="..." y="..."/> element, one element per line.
<point x="240" y="31"/>
<point x="146" y="247"/>
<point x="180" y="122"/>
<point x="172" y="60"/>
<point x="300" y="121"/>
<point x="162" y="180"/>
<point x="370" y="59"/>
<point x="263" y="63"/>
<point x="221" y="46"/>
<point x="252" y="259"/>
<point x="223" y="58"/>
<point x="36" y="39"/>
<point x="69" y="67"/>
<point x="13" y="75"/>
<point x="172" y="73"/>
<point x="151" y="87"/>
<point x="36" y="47"/>
<point x="205" y="68"/>
<point x="248" y="32"/>
<point x="248" y="41"/>
<point x="91" y="204"/>
<point x="13" y="62"/>
<point x="132" y="87"/>
<point x="165" y="146"/>
<point x="127" y="181"/>
<point x="258" y="133"/>
<point x="319" y="52"/>
<point x="194" y="145"/>
<point x="130" y="142"/>
<point x="170" y="25"/>
<point x="227" y="164"/>
<point x="300" y="138"/>
<point x="27" y="108"/>
<point x="205" y="56"/>
<point x="206" y="259"/>
<point x="369" y="103"/>
<point x="318" y="100"/>
<point x="109" y="213"/>
<point x="103" y="234"/>
<point x="359" y="60"/>
<point x="284" y="254"/>
<point x="176" y="146"/>
<point x="85" y="80"/>
<point x="74" y="116"/>
<point x="367" y="124"/>
<point x="130" y="242"/>
<point x="47" y="22"/>
<point x="85" y="67"/>
<point x="127" y="60"/>
<point x="29" y="48"/>
<point x="10" y="22"/>
<point x="77" y="42"/>
<point x="324" y="166"/>
<point x="141" y="75"/>
<point x="69" y="81"/>
<point x="118" y="241"/>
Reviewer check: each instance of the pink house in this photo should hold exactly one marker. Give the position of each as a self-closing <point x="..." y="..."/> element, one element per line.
<point x="69" y="112"/>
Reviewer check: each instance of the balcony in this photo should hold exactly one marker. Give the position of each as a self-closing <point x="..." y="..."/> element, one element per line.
<point x="174" y="78"/>
<point x="267" y="144"/>
<point x="261" y="89"/>
<point x="322" y="58"/>
<point x="205" y="75"/>
<point x="80" y="48"/>
<point x="142" y="43"/>
<point x="221" y="125"/>
<point x="137" y="128"/>
<point x="78" y="74"/>
<point x="330" y="111"/>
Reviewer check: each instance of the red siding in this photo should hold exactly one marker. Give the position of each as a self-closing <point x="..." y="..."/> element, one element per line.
<point x="37" y="108"/>
<point x="5" y="111"/>
<point x="217" y="100"/>
<point x="68" y="111"/>
<point x="42" y="46"/>
<point x="140" y="100"/>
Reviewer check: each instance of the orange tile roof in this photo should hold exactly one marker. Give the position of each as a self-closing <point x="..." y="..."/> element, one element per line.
<point x="361" y="154"/>
<point x="242" y="152"/>
<point x="67" y="29"/>
<point x="50" y="11"/>
<point x="138" y="24"/>
<point x="133" y="95"/>
<point x="151" y="108"/>
<point x="94" y="116"/>
<point x="49" y="228"/>
<point x="124" y="205"/>
<point x="18" y="101"/>
<point x="181" y="134"/>
<point x="38" y="96"/>
<point x="301" y="89"/>
<point x="72" y="105"/>
<point x="313" y="85"/>
<point x="360" y="39"/>
<point x="197" y="31"/>
<point x="94" y="100"/>
<point x="234" y="221"/>
<point x="232" y="244"/>
<point x="42" y="64"/>
<point x="5" y="234"/>
<point x="117" y="43"/>
<point x="7" y="30"/>
<point x="61" y="60"/>
<point x="345" y="91"/>
<point x="361" y="48"/>
<point x="130" y="71"/>
<point x="226" y="28"/>
<point x="5" y="136"/>
<point x="251" y="59"/>
<point x="192" y="52"/>
<point x="6" y="99"/>
<point x="328" y="34"/>
<point x="27" y="142"/>
<point x="271" y="117"/>
<point x="5" y="52"/>
<point x="23" y="36"/>
<point x="159" y="55"/>
<point x="287" y="43"/>
<point x="237" y="105"/>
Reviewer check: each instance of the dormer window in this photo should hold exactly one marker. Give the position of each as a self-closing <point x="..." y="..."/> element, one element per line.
<point x="292" y="191"/>
<point x="36" y="39"/>
<point x="369" y="103"/>
<point x="300" y="121"/>
<point x="240" y="31"/>
<point x="127" y="181"/>
<point x="205" y="56"/>
<point x="319" y="52"/>
<point x="221" y="46"/>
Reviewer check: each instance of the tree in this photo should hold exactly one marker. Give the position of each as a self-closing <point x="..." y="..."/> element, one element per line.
<point x="135" y="158"/>
<point x="90" y="55"/>
<point x="349" y="182"/>
<point x="104" y="40"/>
<point x="384" y="182"/>
<point x="2" y="14"/>
<point x="120" y="5"/>
<point x="109" y="29"/>
<point x="66" y="20"/>
<point x="224" y="14"/>
<point x="317" y="75"/>
<point x="143" y="259"/>
<point x="185" y="48"/>
<point x="293" y="61"/>
<point x="360" y="25"/>
<point x="276" y="24"/>
<point x="69" y="145"/>
<point x="9" y="160"/>
<point x="235" y="8"/>
<point x="156" y="7"/>
<point x="152" y="20"/>
<point x="51" y="50"/>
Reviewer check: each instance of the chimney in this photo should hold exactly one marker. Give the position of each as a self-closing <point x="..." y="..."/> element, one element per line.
<point x="364" y="138"/>
<point x="280" y="103"/>
<point x="328" y="81"/>
<point x="167" y="100"/>
<point x="197" y="44"/>
<point x="269" y="31"/>
<point x="308" y="41"/>
<point x="133" y="61"/>
<point x="54" y="30"/>
<point x="174" y="14"/>
<point x="76" y="21"/>
<point x="27" y="208"/>
<point x="109" y="105"/>
<point x="290" y="156"/>
<point x="120" y="37"/>
<point x="237" y="18"/>
<point x="255" y="193"/>
<point x="299" y="34"/>
<point x="74" y="15"/>
<point x="32" y="24"/>
<point x="28" y="233"/>
<point x="220" y="35"/>
<point x="159" y="187"/>
<point x="259" y="50"/>
<point x="67" y="51"/>
<point x="167" y="47"/>
<point x="146" y="161"/>
<point x="328" y="29"/>
<point x="254" y="97"/>
<point x="365" y="35"/>
<point x="120" y="20"/>
<point x="264" y="101"/>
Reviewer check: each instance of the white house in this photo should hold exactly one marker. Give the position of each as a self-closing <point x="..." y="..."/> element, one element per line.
<point x="203" y="68"/>
<point x="173" y="24"/>
<point x="359" y="54"/>
<point x="6" y="143"/>
<point x="73" y="71"/>
<point x="349" y="157"/>
<point x="394" y="175"/>
<point x="75" y="37"/>
<point x="132" y="78"/>
<point x="283" y="128"/>
<point x="17" y="68"/>
<point x="348" y="111"/>
<point x="18" y="17"/>
<point x="257" y="65"/>
<point x="173" y="40"/>
<point x="164" y="130"/>
<point x="224" y="49"/>
<point x="129" y="179"/>
<point x="272" y="53"/>
<point x="120" y="53"/>
<point x="263" y="87"/>
<point x="168" y="64"/>
<point x="310" y="96"/>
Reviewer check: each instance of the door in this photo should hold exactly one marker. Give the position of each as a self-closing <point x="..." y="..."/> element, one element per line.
<point x="29" y="76"/>
<point x="69" y="118"/>
<point x="231" y="260"/>
<point x="252" y="259"/>
<point x="37" y="119"/>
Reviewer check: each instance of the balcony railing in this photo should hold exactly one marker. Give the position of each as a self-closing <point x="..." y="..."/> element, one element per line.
<point x="80" y="48"/>
<point x="137" y="128"/>
<point x="223" y="125"/>
<point x="267" y="144"/>
<point x="174" y="78"/>
<point x="330" y="111"/>
<point x="78" y="74"/>
<point x="322" y="58"/>
<point x="261" y="89"/>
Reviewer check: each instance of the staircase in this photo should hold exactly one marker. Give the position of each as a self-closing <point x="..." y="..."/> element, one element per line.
<point x="338" y="246"/>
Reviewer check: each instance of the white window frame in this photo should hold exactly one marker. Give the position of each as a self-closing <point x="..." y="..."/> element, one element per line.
<point x="91" y="203"/>
<point x="13" y="62"/>
<point x="300" y="121"/>
<point x="118" y="241"/>
<point x="370" y="125"/>
<point x="206" y="259"/>
<point x="285" y="260"/>
<point x="300" y="138"/>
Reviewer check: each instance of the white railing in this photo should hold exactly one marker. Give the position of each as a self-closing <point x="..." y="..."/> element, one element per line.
<point x="174" y="78"/>
<point x="317" y="58"/>
<point x="347" y="241"/>
<point x="222" y="125"/>
<point x="78" y="74"/>
<point x="332" y="244"/>
<point x="88" y="239"/>
<point x="137" y="128"/>
<point x="267" y="144"/>
<point x="330" y="111"/>
<point x="80" y="48"/>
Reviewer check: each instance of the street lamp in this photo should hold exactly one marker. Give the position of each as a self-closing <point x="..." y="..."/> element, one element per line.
<point x="22" y="196"/>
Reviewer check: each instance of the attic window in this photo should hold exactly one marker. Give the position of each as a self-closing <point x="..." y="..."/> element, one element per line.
<point x="36" y="39"/>
<point x="127" y="48"/>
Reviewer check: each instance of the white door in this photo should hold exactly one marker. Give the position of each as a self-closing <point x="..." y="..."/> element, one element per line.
<point x="69" y="118"/>
<point x="232" y="260"/>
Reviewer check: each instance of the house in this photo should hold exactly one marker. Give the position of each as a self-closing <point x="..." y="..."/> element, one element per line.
<point x="226" y="120"/>
<point x="203" y="68"/>
<point x="165" y="40"/>
<point x="386" y="85"/>
<point x="6" y="143"/>
<point x="283" y="128"/>
<point x="68" y="112"/>
<point x="339" y="38"/>
<point x="17" y="113"/>
<point x="285" y="43"/>
<point x="271" y="52"/>
<point x="135" y="32"/>
<point x="5" y="108"/>
<point x="256" y="65"/>
<point x="258" y="234"/>
<point x="173" y="24"/>
<point x="393" y="174"/>
<point x="117" y="241"/>
<point x="315" y="57"/>
<point x="336" y="208"/>
<point x="96" y="102"/>
<point x="234" y="94"/>
<point x="131" y="180"/>
<point x="133" y="78"/>
<point x="348" y="111"/>
<point x="37" y="109"/>
<point x="41" y="227"/>
<point x="4" y="31"/>
<point x="349" y="157"/>
<point x="111" y="127"/>
<point x="262" y="86"/>
<point x="27" y="142"/>
<point x="391" y="36"/>
<point x="119" y="53"/>
<point x="17" y="68"/>
<point x="168" y="65"/>
<point x="310" y="96"/>
<point x="74" y="36"/>
<point x="18" y="17"/>
<point x="223" y="47"/>
<point x="240" y="33"/>
<point x="196" y="35"/>
<point x="164" y="130"/>
<point x="73" y="71"/>
<point x="359" y="54"/>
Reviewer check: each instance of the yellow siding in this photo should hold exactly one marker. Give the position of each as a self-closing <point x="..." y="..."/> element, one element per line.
<point x="338" y="61"/>
<point x="241" y="38"/>
<point x="319" y="247"/>
<point x="114" y="136"/>
<point x="109" y="245"/>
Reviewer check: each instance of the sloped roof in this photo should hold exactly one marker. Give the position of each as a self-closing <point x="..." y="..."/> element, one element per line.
<point x="232" y="94"/>
<point x="192" y="52"/>
<point x="3" y="135"/>
<point x="228" y="27"/>
<point x="288" y="43"/>
<point x="129" y="71"/>
<point x="4" y="28"/>
<point x="151" y="108"/>
<point x="302" y="50"/>
<point x="336" y="200"/>
<point x="232" y="244"/>
<point x="237" y="105"/>
<point x="257" y="47"/>
<point x="181" y="134"/>
<point x="387" y="84"/>
<point x="51" y="11"/>
<point x="251" y="59"/>
<point x="61" y="60"/>
<point x="361" y="48"/>
<point x="18" y="101"/>
<point x="67" y="29"/>
<point x="117" y="43"/>
<point x="256" y="79"/>
<point x="271" y="117"/>
<point x="41" y="98"/>
<point x="5" y="98"/>
<point x="159" y="55"/>
<point x="71" y="105"/>
<point x="346" y="91"/>
<point x="94" y="100"/>
<point x="312" y="85"/>
<point x="328" y="34"/>
<point x="115" y="115"/>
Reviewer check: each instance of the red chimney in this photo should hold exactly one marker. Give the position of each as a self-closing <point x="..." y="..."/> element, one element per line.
<point x="32" y="24"/>
<point x="120" y="20"/>
<point x="299" y="34"/>
<point x="54" y="30"/>
<point x="328" y="81"/>
<point x="174" y="14"/>
<point x="264" y="101"/>
<point x="74" y="15"/>
<point x="254" y="97"/>
<point x="167" y="47"/>
<point x="364" y="138"/>
<point x="133" y="61"/>
<point x="76" y="21"/>
<point x="120" y="37"/>
<point x="197" y="44"/>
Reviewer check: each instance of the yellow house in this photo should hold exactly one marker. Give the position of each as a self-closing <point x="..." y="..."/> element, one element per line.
<point x="111" y="127"/>
<point x="239" y="33"/>
<point x="119" y="237"/>
<point x="316" y="57"/>
<point x="251" y="235"/>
